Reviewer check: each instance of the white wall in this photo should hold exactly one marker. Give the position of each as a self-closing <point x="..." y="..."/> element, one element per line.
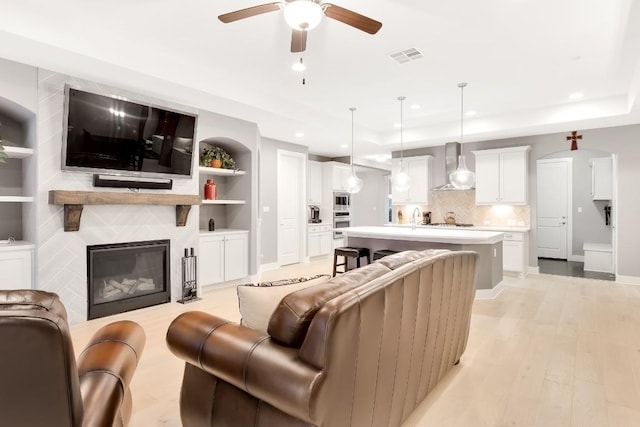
<point x="268" y="189"/>
<point x="368" y="206"/>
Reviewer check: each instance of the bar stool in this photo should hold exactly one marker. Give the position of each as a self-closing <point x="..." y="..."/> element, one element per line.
<point x="382" y="253"/>
<point x="349" y="252"/>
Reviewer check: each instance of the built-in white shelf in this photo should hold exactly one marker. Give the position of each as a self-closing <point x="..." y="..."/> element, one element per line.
<point x="220" y="172"/>
<point x="17" y="152"/>
<point x="16" y="199"/>
<point x="223" y="202"/>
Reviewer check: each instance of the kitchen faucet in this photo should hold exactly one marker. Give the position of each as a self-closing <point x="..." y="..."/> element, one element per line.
<point x="413" y="218"/>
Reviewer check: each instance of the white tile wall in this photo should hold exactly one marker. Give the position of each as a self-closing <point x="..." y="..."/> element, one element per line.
<point x="462" y="202"/>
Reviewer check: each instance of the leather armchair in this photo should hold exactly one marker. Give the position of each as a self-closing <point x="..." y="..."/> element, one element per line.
<point x="41" y="384"/>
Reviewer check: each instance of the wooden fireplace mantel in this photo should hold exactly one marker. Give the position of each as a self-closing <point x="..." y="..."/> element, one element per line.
<point x="74" y="201"/>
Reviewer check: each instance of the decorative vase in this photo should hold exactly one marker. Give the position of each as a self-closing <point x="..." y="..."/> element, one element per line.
<point x="212" y="225"/>
<point x="216" y="163"/>
<point x="210" y="190"/>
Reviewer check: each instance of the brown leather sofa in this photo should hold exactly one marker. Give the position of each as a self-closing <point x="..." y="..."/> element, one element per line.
<point x="40" y="384"/>
<point x="362" y="349"/>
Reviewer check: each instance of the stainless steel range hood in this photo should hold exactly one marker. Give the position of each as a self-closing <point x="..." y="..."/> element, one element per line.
<point x="452" y="152"/>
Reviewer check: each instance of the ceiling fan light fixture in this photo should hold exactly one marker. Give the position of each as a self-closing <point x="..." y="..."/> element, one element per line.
<point x="302" y="15"/>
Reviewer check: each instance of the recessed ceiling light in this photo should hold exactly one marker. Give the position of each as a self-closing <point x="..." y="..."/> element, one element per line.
<point x="299" y="134"/>
<point x="576" y="95"/>
<point x="344" y="145"/>
<point x="415" y="107"/>
<point x="381" y="158"/>
<point x="298" y="66"/>
<point x="470" y="113"/>
<point x="397" y="125"/>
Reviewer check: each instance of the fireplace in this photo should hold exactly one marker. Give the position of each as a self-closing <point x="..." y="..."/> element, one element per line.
<point x="127" y="276"/>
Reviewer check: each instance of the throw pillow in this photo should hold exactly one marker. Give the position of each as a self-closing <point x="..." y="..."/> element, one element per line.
<point x="258" y="301"/>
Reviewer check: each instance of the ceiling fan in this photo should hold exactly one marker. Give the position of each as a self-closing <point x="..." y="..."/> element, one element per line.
<point x="304" y="15"/>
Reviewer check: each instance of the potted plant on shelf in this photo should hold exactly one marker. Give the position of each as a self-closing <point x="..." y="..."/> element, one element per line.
<point x="211" y="157"/>
<point x="227" y="161"/>
<point x="217" y="157"/>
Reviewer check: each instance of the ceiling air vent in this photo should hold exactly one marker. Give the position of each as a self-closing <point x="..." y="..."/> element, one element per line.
<point x="406" y="55"/>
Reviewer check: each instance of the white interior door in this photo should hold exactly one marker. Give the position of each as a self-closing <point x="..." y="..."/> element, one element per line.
<point x="291" y="197"/>
<point x="553" y="207"/>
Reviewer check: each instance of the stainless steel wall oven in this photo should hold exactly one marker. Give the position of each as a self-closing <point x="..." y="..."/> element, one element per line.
<point x="341" y="219"/>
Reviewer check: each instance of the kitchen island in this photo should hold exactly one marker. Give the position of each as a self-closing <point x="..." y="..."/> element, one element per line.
<point x="488" y="245"/>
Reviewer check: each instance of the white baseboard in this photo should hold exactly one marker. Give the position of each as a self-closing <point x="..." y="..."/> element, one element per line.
<point x="575" y="258"/>
<point x="267" y="267"/>
<point x="630" y="280"/>
<point x="490" y="293"/>
<point x="533" y="270"/>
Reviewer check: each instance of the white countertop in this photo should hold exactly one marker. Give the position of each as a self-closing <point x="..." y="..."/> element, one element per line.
<point x="426" y="234"/>
<point x="520" y="229"/>
<point x="501" y="228"/>
<point x="222" y="231"/>
<point x="18" y="245"/>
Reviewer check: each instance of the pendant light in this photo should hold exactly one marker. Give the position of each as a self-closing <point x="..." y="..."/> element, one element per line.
<point x="353" y="183"/>
<point x="401" y="180"/>
<point x="462" y="178"/>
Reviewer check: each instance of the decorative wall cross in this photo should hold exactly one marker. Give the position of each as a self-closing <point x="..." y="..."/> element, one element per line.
<point x="574" y="137"/>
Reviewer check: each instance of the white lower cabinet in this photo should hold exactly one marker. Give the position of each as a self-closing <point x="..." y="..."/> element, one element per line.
<point x="223" y="256"/>
<point x="16" y="266"/>
<point x="514" y="252"/>
<point x="319" y="240"/>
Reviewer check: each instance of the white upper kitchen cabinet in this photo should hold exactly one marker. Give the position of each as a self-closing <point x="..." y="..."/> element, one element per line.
<point x="501" y="176"/>
<point x="419" y="169"/>
<point x="314" y="183"/>
<point x="340" y="175"/>
<point x="334" y="178"/>
<point x="601" y="178"/>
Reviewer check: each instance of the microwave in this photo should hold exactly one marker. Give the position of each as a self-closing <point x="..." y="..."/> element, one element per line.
<point x="341" y="201"/>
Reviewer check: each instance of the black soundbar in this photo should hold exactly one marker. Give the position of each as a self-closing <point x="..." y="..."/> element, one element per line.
<point x="132" y="182"/>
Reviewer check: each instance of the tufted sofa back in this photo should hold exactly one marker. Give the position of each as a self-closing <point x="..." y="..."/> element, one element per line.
<point x="384" y="345"/>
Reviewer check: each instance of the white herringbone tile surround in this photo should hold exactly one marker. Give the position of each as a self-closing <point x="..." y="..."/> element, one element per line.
<point x="61" y="256"/>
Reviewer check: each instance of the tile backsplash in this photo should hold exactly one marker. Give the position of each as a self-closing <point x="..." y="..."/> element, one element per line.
<point x="463" y="204"/>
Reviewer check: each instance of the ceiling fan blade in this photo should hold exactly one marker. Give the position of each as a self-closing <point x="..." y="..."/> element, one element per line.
<point x="249" y="12"/>
<point x="352" y="18"/>
<point x="298" y="41"/>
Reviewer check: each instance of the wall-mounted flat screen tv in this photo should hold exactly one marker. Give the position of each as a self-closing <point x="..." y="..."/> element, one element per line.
<point x="105" y="134"/>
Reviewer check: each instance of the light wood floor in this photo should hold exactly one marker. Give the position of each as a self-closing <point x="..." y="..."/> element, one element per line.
<point x="548" y="351"/>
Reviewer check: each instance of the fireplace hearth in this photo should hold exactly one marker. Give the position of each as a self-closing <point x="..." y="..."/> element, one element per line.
<point x="127" y="276"/>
